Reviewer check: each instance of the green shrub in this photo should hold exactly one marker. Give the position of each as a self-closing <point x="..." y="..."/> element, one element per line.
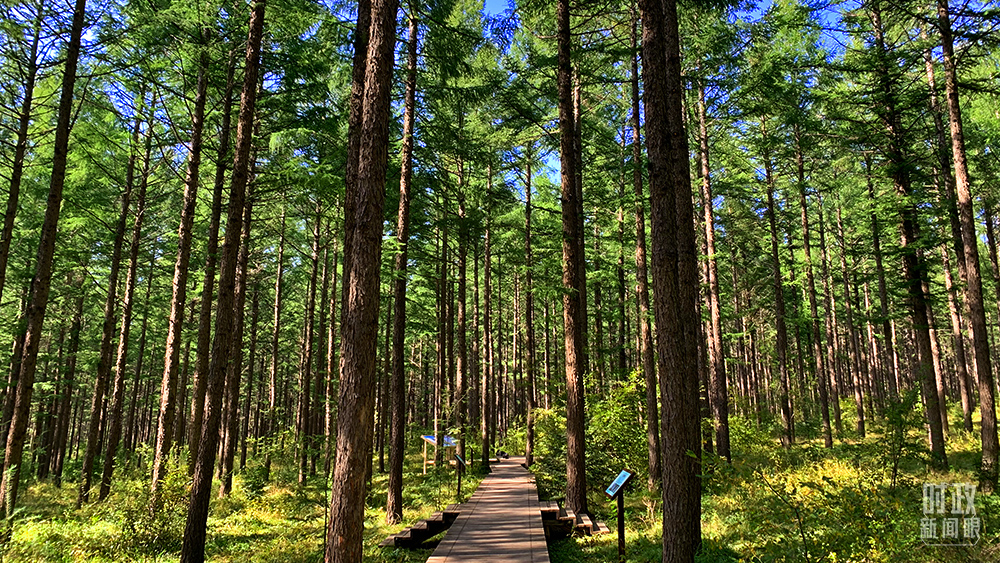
<point x="254" y="481"/>
<point x="141" y="531"/>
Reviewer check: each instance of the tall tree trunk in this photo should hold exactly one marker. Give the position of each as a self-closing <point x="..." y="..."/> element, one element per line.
<point x="245" y="433"/>
<point x="462" y="354"/>
<point x="69" y="377"/>
<point x="110" y="304"/>
<point x="441" y="348"/>
<point x="20" y="145"/>
<point x="675" y="265"/>
<point x="830" y="325"/>
<point x="130" y="437"/>
<point x="360" y="311"/>
<point x="781" y="340"/>
<point x="41" y="283"/>
<point x="488" y="373"/>
<point x="235" y="368"/>
<point x="193" y="547"/>
<point x="203" y="350"/>
<point x="529" y="306"/>
<point x="888" y="355"/>
<point x="822" y="377"/>
<point x="958" y="343"/>
<point x="642" y="280"/>
<point x="718" y="391"/>
<point x="912" y="263"/>
<point x="397" y="438"/>
<point x="329" y="404"/>
<point x="974" y="285"/>
<point x="112" y="436"/>
<point x="175" y="322"/>
<point x="305" y="377"/>
<point x="362" y="32"/>
<point x="271" y="423"/>
<point x="475" y="411"/>
<point x="572" y="236"/>
<point x="855" y="344"/>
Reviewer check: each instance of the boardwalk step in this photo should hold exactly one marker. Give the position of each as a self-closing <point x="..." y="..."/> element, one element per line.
<point x="598" y="527"/>
<point x="549" y="509"/>
<point x="451" y="513"/>
<point x="424" y="529"/>
<point x="582" y="525"/>
<point x="568" y="515"/>
<point x="557" y="522"/>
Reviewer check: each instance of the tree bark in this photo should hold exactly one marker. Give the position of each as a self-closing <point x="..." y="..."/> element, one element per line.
<point x="855" y="344"/>
<point x="781" y="339"/>
<point x="175" y="322"/>
<point x="529" y="323"/>
<point x="912" y="263"/>
<point x="674" y="263"/>
<point x="202" y="353"/>
<point x="646" y="348"/>
<point x="235" y="368"/>
<point x="462" y="354"/>
<point x="69" y="377"/>
<point x="717" y="389"/>
<point x="958" y="343"/>
<point x="245" y="434"/>
<point x="20" y="145"/>
<point x="41" y="283"/>
<point x="888" y="355"/>
<point x="974" y="285"/>
<point x="305" y="377"/>
<point x="488" y="373"/>
<point x="112" y="436"/>
<point x="822" y="377"/>
<point x="110" y="304"/>
<point x="360" y="311"/>
<point x="193" y="547"/>
<point x="271" y="422"/>
<point x="573" y="284"/>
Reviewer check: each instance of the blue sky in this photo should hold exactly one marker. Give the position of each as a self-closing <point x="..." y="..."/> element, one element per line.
<point x="493" y="7"/>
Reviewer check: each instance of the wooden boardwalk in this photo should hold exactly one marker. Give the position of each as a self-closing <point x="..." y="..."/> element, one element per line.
<point x="501" y="522"/>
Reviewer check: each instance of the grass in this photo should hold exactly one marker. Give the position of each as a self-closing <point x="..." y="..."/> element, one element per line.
<point x="285" y="523"/>
<point x="805" y="504"/>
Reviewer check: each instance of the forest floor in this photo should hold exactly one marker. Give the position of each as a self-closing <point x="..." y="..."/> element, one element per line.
<point x="805" y="504"/>
<point x="258" y="523"/>
<point x="812" y="504"/>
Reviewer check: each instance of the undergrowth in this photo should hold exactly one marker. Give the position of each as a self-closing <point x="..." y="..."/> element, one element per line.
<point x="259" y="522"/>
<point x="859" y="501"/>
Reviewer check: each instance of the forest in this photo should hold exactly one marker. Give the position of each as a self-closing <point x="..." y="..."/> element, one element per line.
<point x="256" y="255"/>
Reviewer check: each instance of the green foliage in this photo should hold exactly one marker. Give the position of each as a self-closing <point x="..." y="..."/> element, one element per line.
<point x="550" y="453"/>
<point x="140" y="530"/>
<point x="254" y="481"/>
<point x="616" y="431"/>
<point x="616" y="440"/>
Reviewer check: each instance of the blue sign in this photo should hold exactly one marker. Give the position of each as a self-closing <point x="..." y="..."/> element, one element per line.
<point x="618" y="483"/>
<point x="449" y="442"/>
<point x="460" y="460"/>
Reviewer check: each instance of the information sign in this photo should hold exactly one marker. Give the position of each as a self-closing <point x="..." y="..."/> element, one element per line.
<point x="624" y="477"/>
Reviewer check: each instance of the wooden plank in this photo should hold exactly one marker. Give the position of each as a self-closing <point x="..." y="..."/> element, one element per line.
<point x="501" y="522"/>
<point x="597" y="527"/>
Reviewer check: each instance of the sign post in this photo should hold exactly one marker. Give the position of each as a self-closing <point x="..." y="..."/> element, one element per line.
<point x="617" y="490"/>
<point x="460" y="467"/>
